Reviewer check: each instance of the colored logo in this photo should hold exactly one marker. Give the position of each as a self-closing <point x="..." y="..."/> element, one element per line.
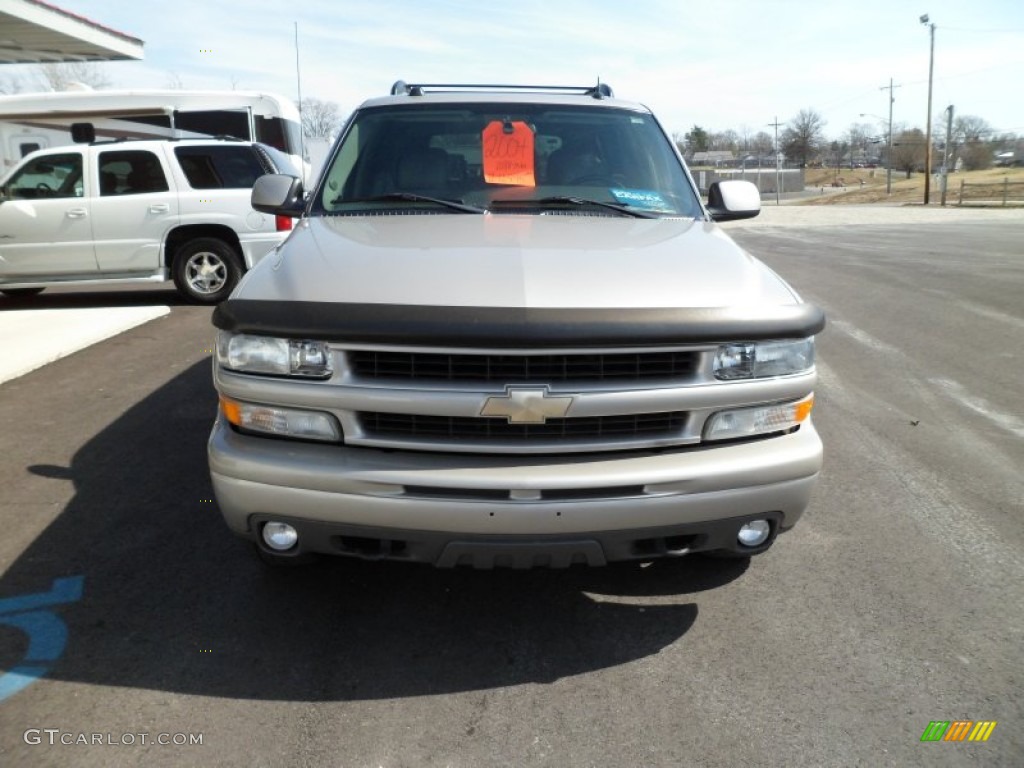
<point x="958" y="730"/>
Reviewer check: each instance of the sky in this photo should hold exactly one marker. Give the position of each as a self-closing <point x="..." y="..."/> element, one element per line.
<point x="728" y="64"/>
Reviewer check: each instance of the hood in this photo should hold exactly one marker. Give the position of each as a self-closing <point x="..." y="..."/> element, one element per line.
<point x="464" y="260"/>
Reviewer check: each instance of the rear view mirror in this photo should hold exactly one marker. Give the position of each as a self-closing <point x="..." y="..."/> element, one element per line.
<point x="278" y="194"/>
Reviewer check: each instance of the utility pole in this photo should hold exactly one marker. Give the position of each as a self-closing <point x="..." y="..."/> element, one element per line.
<point x="945" y="151"/>
<point x="928" y="123"/>
<point x="776" y="126"/>
<point x="888" y="151"/>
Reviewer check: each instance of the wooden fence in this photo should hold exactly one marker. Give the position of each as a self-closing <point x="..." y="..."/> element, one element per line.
<point x="1002" y="192"/>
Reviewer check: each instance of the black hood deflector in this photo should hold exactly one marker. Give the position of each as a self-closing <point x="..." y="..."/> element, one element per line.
<point x="516" y="327"/>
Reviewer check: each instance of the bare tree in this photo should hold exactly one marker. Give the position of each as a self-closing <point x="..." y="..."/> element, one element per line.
<point x="320" y="119"/>
<point x="724" y="141"/>
<point x="762" y="143"/>
<point x="803" y="136"/>
<point x="174" y="81"/>
<point x="744" y="137"/>
<point x="64" y="75"/>
<point x="860" y="135"/>
<point x="976" y="155"/>
<point x="838" y="151"/>
<point x="908" y="150"/>
<point x="972" y="135"/>
<point x="970" y="128"/>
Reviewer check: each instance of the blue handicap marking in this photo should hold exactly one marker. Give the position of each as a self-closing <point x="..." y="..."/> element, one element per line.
<point x="47" y="633"/>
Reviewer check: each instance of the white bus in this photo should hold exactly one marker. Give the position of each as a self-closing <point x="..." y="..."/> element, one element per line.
<point x="31" y="121"/>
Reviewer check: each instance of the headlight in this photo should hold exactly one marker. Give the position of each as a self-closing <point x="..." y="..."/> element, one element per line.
<point x="283" y="422"/>
<point x="760" y="420"/>
<point x="266" y="354"/>
<point x="763" y="359"/>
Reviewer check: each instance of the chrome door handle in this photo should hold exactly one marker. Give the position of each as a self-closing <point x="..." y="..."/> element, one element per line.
<point x="159" y="208"/>
<point x="77" y="213"/>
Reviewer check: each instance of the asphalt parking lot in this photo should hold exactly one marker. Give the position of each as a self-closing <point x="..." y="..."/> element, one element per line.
<point x="898" y="600"/>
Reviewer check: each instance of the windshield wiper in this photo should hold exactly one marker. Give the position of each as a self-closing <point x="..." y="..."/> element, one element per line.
<point x="572" y="200"/>
<point x="412" y="197"/>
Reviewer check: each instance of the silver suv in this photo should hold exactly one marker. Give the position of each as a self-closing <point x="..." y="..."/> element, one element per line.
<point x="507" y="332"/>
<point x="137" y="211"/>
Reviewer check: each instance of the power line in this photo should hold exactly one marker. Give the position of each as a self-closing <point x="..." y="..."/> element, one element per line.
<point x="986" y="31"/>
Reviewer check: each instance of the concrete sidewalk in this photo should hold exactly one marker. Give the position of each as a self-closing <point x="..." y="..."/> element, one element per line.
<point x="31" y="338"/>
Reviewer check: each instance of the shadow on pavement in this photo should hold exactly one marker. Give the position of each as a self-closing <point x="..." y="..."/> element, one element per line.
<point x="65" y="298"/>
<point x="171" y="601"/>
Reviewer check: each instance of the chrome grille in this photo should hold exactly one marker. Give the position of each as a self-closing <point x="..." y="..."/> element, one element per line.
<point x="578" y="368"/>
<point x="619" y="428"/>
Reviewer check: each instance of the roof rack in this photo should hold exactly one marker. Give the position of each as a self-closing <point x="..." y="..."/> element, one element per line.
<point x="402" y="88"/>
<point x="128" y="139"/>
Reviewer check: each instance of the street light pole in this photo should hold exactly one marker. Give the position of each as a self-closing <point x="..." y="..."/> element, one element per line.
<point x="928" y="123"/>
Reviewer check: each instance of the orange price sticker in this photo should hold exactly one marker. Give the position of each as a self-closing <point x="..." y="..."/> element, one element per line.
<point x="508" y="154"/>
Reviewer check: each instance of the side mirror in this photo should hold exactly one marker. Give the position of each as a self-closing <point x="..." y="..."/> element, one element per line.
<point x="731" y="200"/>
<point x="278" y="194"/>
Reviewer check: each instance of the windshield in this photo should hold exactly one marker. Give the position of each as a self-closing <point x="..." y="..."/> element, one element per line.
<point x="506" y="158"/>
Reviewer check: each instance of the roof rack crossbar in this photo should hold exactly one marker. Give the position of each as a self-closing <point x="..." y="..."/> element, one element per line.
<point x="402" y="88"/>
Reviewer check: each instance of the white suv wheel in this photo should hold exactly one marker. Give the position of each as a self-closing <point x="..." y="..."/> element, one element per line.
<point x="206" y="270"/>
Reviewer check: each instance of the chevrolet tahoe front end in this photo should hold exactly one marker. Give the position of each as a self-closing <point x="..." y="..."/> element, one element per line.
<point x="446" y="364"/>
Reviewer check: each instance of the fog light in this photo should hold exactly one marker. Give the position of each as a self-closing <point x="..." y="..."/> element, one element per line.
<point x="279" y="536"/>
<point x="754" y="534"/>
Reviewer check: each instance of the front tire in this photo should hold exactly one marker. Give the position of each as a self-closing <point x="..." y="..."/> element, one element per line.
<point x="20" y="293"/>
<point x="206" y="270"/>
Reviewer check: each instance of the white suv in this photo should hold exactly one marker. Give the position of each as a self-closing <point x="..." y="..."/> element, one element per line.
<point x="137" y="211"/>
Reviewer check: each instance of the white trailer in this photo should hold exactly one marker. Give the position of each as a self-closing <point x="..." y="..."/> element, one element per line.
<point x="31" y="121"/>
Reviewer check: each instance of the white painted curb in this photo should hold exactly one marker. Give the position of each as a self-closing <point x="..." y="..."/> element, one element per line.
<point x="31" y="338"/>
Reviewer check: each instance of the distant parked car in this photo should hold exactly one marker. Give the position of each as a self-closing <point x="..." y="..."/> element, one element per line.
<point x="1006" y="159"/>
<point x="137" y="211"/>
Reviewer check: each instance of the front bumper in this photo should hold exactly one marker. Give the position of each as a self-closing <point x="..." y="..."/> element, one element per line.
<point x="453" y="509"/>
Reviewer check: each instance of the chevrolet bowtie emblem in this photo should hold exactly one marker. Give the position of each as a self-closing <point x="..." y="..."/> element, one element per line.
<point x="527" y="406"/>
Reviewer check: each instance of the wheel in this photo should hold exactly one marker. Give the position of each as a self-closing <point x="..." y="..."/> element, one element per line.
<point x="206" y="270"/>
<point x="17" y="293"/>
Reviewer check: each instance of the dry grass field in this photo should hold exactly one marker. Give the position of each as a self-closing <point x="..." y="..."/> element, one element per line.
<point x="867" y="185"/>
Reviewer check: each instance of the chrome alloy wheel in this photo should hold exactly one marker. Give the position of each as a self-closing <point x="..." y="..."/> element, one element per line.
<point x="205" y="272"/>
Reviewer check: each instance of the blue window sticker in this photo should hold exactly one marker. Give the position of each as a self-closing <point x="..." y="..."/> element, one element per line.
<point x="644" y="199"/>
